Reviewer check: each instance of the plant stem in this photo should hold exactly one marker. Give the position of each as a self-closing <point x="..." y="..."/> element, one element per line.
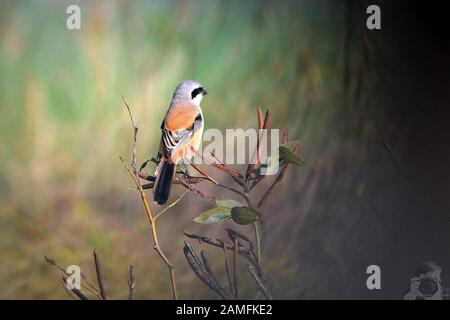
<point x="154" y="229"/>
<point x="258" y="241"/>
<point x="99" y="275"/>
<point x="131" y="284"/>
<point x="235" y="268"/>
<point x="156" y="244"/>
<point x="170" y="205"/>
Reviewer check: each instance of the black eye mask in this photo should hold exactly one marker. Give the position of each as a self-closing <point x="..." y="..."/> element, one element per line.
<point x="197" y="91"/>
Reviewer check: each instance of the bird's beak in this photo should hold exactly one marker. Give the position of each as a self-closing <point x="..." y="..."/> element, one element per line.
<point x="204" y="92"/>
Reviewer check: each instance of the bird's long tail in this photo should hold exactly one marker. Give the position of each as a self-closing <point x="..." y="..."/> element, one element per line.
<point x="163" y="183"/>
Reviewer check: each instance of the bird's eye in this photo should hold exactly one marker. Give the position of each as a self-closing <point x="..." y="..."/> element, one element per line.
<point x="196" y="91"/>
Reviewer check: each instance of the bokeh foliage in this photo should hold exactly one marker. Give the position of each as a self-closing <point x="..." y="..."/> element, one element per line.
<point x="63" y="190"/>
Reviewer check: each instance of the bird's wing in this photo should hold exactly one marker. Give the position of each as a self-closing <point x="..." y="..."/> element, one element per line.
<point x="178" y="127"/>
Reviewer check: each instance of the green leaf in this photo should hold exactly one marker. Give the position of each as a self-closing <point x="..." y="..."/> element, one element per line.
<point x="228" y="204"/>
<point x="291" y="144"/>
<point x="290" y="156"/>
<point x="214" y="215"/>
<point x="244" y="215"/>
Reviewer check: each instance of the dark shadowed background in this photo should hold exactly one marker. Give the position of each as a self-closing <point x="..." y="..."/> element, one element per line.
<point x="369" y="107"/>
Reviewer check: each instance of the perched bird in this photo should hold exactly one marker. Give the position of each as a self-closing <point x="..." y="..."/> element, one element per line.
<point x="182" y="130"/>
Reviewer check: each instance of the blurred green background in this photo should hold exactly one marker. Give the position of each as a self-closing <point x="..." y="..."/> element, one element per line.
<point x="63" y="125"/>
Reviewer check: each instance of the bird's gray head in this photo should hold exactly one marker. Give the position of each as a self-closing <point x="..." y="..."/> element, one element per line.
<point x="189" y="91"/>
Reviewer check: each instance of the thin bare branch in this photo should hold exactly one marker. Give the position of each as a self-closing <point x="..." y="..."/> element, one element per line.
<point x="219" y="165"/>
<point x="267" y="120"/>
<point x="208" y="268"/>
<point x="77" y="292"/>
<point x="260" y="118"/>
<point x="276" y="181"/>
<point x="262" y="225"/>
<point x="135" y="176"/>
<point x="233" y="234"/>
<point x="196" y="179"/>
<point x="203" y="172"/>
<point x="235" y="267"/>
<point x="135" y="132"/>
<point x="69" y="292"/>
<point x="256" y="153"/>
<point x="201" y="272"/>
<point x="259" y="283"/>
<point x="235" y="175"/>
<point x="90" y="286"/>
<point x="98" y="270"/>
<point x="197" y="191"/>
<point x="243" y="251"/>
<point x="131" y="284"/>
<point x="227" y="268"/>
<point x="273" y="185"/>
<point x="171" y="205"/>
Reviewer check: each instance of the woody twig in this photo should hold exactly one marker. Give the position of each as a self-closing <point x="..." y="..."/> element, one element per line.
<point x="135" y="176"/>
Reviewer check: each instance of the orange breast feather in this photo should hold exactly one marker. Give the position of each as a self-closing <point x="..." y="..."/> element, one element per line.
<point x="180" y="116"/>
